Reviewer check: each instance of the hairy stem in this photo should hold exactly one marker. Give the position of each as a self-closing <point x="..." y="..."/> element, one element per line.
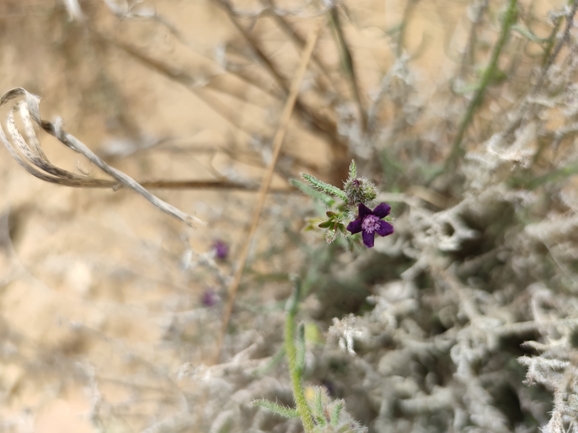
<point x="291" y="350"/>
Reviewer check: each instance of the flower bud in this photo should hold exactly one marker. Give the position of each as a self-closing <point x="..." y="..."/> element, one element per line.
<point x="359" y="190"/>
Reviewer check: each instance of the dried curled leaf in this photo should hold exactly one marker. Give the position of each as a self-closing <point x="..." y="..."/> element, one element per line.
<point x="29" y="154"/>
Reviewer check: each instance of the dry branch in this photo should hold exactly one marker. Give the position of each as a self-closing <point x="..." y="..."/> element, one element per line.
<point x="32" y="158"/>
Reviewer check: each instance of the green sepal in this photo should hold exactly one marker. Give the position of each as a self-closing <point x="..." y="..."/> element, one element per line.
<point x="325" y="224"/>
<point x="336" y="413"/>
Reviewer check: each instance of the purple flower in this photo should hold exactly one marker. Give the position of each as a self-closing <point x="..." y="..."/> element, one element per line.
<point x="209" y="298"/>
<point x="221" y="249"/>
<point x="370" y="221"/>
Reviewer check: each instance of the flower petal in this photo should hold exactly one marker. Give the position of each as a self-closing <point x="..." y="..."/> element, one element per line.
<point x="354" y="226"/>
<point x="382" y="210"/>
<point x="384" y="228"/>
<point x="367" y="239"/>
<point x="363" y="211"/>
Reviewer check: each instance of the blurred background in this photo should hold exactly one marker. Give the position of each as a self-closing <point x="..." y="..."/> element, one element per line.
<point x="110" y="310"/>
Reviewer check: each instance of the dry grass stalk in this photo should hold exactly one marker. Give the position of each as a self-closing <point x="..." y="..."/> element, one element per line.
<point x="33" y="159"/>
<point x="277" y="142"/>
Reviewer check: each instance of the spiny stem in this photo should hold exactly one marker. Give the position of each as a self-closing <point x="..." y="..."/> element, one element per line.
<point x="509" y="20"/>
<point x="298" y="392"/>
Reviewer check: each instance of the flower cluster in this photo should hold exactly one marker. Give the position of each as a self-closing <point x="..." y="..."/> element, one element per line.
<point x="357" y="192"/>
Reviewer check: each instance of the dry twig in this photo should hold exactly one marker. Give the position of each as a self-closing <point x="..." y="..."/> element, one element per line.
<point x="33" y="159"/>
<point x="277" y="142"/>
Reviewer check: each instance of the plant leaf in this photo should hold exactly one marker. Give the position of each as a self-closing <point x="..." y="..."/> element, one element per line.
<point x="324" y="187"/>
<point x="284" y="411"/>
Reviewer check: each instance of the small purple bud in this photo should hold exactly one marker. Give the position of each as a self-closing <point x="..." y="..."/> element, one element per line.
<point x="221" y="249"/>
<point x="209" y="298"/>
<point x="359" y="190"/>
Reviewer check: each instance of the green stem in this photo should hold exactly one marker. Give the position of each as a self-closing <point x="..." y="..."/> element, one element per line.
<point x="509" y="20"/>
<point x="298" y="392"/>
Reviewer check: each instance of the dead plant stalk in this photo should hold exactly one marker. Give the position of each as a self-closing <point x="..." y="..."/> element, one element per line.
<point x="277" y="142"/>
